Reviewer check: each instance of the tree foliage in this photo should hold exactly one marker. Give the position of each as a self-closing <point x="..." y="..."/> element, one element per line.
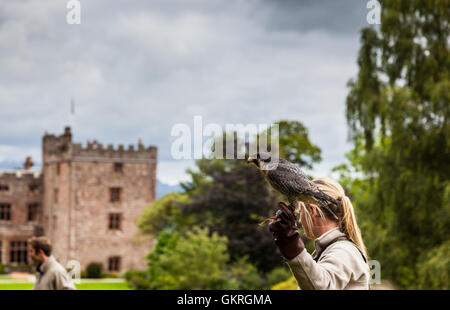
<point x="277" y="275"/>
<point x="246" y="275"/>
<point x="398" y="112"/>
<point x="193" y="260"/>
<point x="164" y="213"/>
<point x="295" y="145"/>
<point x="289" y="284"/>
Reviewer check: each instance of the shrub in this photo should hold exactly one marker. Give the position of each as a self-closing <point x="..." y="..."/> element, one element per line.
<point x="246" y="274"/>
<point x="137" y="279"/>
<point x="14" y="267"/>
<point x="434" y="269"/>
<point x="277" y="275"/>
<point x="289" y="284"/>
<point x="94" y="270"/>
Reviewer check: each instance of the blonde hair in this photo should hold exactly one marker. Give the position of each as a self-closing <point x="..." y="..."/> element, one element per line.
<point x="344" y="211"/>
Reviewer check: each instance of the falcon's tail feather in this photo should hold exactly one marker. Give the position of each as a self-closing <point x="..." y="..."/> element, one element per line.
<point x="325" y="205"/>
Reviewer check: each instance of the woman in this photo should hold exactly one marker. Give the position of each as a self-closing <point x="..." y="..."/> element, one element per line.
<point x="339" y="260"/>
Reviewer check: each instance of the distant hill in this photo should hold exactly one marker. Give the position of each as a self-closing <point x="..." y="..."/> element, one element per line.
<point x="11" y="165"/>
<point x="163" y="189"/>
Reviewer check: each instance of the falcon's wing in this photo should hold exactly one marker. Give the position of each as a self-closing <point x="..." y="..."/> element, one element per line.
<point x="294" y="168"/>
<point x="291" y="178"/>
<point x="293" y="181"/>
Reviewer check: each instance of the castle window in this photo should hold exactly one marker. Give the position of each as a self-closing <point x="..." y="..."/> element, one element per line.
<point x="5" y="212"/>
<point x="115" y="221"/>
<point x="114" y="263"/>
<point x="32" y="187"/>
<point x="4" y="187"/>
<point x="18" y="252"/>
<point x="55" y="195"/>
<point x="118" y="167"/>
<point x="58" y="168"/>
<point x="32" y="211"/>
<point x="114" y="194"/>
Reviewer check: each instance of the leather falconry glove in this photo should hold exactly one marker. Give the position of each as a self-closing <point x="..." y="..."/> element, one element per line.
<point x="285" y="232"/>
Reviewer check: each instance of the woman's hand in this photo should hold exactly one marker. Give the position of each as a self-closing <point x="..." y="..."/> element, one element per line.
<point x="285" y="232"/>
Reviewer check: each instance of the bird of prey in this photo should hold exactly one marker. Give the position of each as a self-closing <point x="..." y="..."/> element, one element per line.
<point x="288" y="179"/>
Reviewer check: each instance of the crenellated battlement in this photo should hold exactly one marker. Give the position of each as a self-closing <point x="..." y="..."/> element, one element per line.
<point x="99" y="150"/>
<point x="56" y="145"/>
<point x="20" y="174"/>
<point x="61" y="147"/>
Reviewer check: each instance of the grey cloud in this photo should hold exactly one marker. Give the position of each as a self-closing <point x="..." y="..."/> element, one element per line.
<point x="135" y="68"/>
<point x="338" y="17"/>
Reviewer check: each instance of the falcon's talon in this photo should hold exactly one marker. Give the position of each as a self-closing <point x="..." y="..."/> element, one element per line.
<point x="272" y="219"/>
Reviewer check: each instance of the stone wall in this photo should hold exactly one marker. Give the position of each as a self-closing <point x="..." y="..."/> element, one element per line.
<point x="92" y="207"/>
<point x="19" y="195"/>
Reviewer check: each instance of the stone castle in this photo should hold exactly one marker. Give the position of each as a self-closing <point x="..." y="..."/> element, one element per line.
<point x="86" y="200"/>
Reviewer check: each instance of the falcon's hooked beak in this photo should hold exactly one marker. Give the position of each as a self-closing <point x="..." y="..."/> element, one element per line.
<point x="252" y="160"/>
<point x="256" y="161"/>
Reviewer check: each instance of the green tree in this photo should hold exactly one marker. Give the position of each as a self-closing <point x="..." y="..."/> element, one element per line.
<point x="164" y="213"/>
<point x="398" y="112"/>
<point x="295" y="145"/>
<point x="434" y="269"/>
<point x="193" y="260"/>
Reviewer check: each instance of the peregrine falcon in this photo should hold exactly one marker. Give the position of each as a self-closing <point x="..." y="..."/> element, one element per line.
<point x="288" y="179"/>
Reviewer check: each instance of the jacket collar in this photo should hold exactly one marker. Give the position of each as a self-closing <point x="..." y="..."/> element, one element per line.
<point x="325" y="239"/>
<point x="42" y="268"/>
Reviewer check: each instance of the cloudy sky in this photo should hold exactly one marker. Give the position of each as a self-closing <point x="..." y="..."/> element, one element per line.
<point x="136" y="68"/>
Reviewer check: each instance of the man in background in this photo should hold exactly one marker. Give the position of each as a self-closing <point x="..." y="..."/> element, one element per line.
<point x="50" y="274"/>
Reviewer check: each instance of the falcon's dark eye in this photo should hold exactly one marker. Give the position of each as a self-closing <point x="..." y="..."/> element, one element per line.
<point x="267" y="160"/>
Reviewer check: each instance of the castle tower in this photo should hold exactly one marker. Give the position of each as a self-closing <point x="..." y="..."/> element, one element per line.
<point x="92" y="198"/>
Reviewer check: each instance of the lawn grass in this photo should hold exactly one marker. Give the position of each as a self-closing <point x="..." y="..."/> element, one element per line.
<point x="81" y="286"/>
<point x="16" y="286"/>
<point x="103" y="286"/>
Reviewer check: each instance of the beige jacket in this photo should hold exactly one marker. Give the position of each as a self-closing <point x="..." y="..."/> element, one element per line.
<point x="341" y="266"/>
<point x="52" y="276"/>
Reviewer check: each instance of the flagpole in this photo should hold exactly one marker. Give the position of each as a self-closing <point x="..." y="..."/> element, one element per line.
<point x="72" y="113"/>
